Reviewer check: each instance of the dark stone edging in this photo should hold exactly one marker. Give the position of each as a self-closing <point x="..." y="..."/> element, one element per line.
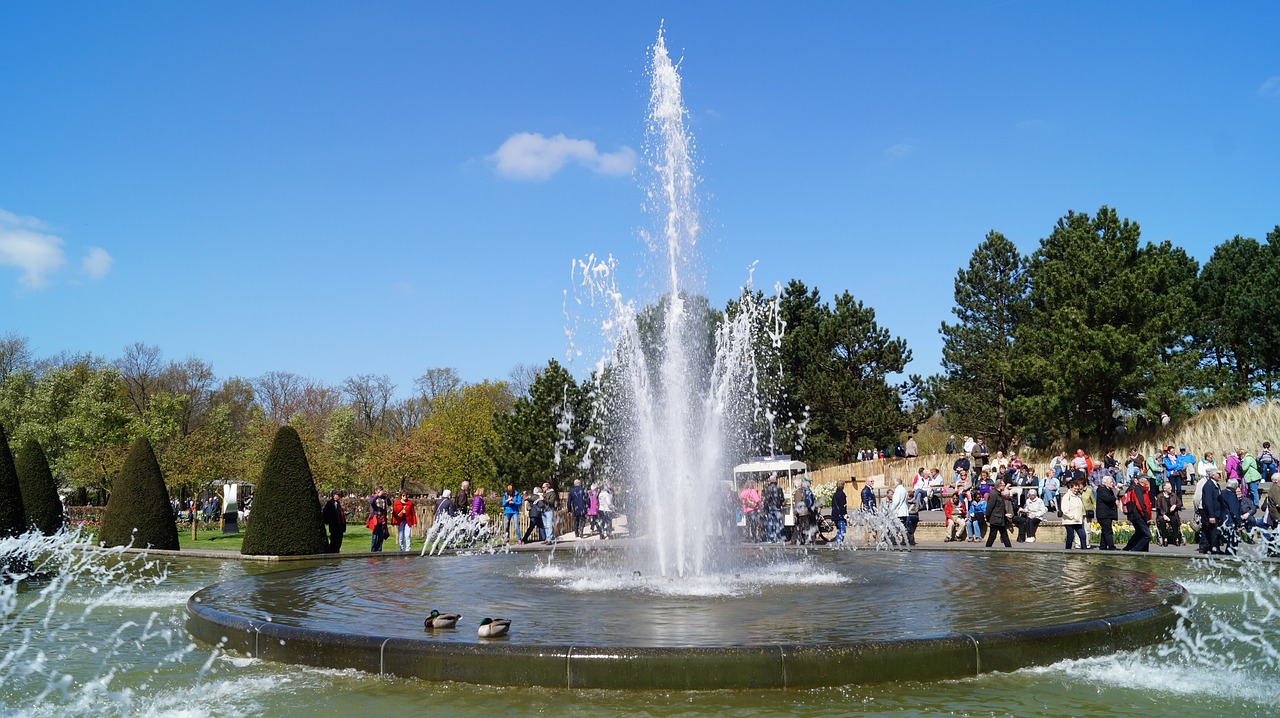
<point x="686" y="668"/>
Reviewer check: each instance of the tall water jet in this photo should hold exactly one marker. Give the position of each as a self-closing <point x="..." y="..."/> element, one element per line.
<point x="680" y="382"/>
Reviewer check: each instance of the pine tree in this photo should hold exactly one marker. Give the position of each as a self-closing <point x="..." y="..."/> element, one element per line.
<point x="138" y="510"/>
<point x="533" y="434"/>
<point x="978" y="350"/>
<point x="13" y="515"/>
<point x="39" y="492"/>
<point x="286" y="519"/>
<point x="1107" y="328"/>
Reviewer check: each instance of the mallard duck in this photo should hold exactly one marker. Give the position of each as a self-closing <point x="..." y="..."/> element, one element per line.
<point x="494" y="627"/>
<point x="441" y="620"/>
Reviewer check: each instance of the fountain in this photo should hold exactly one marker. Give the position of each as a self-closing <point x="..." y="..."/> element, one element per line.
<point x="688" y="611"/>
<point x="104" y="635"/>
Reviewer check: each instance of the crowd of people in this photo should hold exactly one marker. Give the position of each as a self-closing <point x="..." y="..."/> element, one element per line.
<point x="990" y="495"/>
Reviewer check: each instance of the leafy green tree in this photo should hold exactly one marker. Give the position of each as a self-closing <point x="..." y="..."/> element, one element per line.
<point x="138" y="510"/>
<point x="978" y="350"/>
<point x="286" y="518"/>
<point x="13" y="515"/>
<point x="403" y="462"/>
<point x="77" y="410"/>
<point x="194" y="461"/>
<point x="1238" y="295"/>
<point x="1107" y="316"/>
<point x="39" y="491"/>
<point x="460" y="432"/>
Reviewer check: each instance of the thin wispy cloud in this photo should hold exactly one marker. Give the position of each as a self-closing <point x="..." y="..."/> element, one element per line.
<point x="1032" y="124"/>
<point x="25" y="244"/>
<point x="1270" y="87"/>
<point x="902" y="149"/>
<point x="97" y="263"/>
<point x="532" y="157"/>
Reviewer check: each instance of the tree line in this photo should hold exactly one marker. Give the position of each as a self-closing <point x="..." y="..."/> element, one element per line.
<point x="1086" y="336"/>
<point x="1097" y="333"/>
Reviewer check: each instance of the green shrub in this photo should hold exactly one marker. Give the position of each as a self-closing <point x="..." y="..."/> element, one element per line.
<point x="286" y="518"/>
<point x="39" y="492"/>
<point x="13" y="515"/>
<point x="139" y="502"/>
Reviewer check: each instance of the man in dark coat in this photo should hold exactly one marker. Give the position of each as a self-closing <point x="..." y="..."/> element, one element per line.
<point x="1229" y="518"/>
<point x="1210" y="510"/>
<point x="999" y="514"/>
<point x="336" y="519"/>
<point x="840" y="511"/>
<point x="579" y="502"/>
<point x="1107" y="512"/>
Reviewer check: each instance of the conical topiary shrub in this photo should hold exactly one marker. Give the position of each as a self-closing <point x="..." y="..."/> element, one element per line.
<point x="13" y="516"/>
<point x="39" y="492"/>
<point x="139" y="502"/>
<point x="286" y="518"/>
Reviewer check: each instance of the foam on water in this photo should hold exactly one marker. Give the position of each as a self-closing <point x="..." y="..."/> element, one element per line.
<point x="1227" y="640"/>
<point x="594" y="579"/>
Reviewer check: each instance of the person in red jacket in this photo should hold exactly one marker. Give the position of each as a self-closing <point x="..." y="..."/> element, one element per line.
<point x="1138" y="511"/>
<point x="955" y="513"/>
<point x="402" y="515"/>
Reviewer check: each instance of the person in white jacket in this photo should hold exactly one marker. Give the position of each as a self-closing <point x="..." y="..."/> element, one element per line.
<point x="898" y="507"/>
<point x="1029" y="517"/>
<point x="1073" y="514"/>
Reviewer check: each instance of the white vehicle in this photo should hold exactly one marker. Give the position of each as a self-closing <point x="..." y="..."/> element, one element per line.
<point x="760" y="468"/>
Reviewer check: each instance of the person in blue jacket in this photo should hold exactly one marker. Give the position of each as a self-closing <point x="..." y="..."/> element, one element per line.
<point x="512" y="500"/>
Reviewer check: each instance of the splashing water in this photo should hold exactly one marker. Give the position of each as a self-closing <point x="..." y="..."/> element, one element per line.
<point x="462" y="532"/>
<point x="52" y="624"/>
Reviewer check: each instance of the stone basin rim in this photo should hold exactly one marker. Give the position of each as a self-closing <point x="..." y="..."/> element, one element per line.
<point x="761" y="666"/>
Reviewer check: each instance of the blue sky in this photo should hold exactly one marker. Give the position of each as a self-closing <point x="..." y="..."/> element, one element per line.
<point x="316" y="186"/>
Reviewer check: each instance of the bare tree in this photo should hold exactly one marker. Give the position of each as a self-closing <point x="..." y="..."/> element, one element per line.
<point x="237" y="395"/>
<point x="435" y="383"/>
<point x="406" y="415"/>
<point x="279" y="393"/>
<point x="140" y="368"/>
<point x="370" y="397"/>
<point x="319" y="400"/>
<point x="522" y="377"/>
<point x="15" y="354"/>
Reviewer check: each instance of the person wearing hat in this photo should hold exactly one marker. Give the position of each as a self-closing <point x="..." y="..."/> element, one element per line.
<point x="335" y="518"/>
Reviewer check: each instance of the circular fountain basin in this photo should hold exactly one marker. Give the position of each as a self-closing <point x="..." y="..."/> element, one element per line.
<point x="774" y="619"/>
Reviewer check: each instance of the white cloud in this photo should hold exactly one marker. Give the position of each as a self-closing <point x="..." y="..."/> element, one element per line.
<point x="902" y="149"/>
<point x="96" y="263"/>
<point x="1270" y="87"/>
<point x="530" y="156"/>
<point x="24" y="246"/>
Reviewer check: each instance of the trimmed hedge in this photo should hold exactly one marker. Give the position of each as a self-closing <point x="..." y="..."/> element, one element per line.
<point x="139" y="501"/>
<point x="286" y="519"/>
<point x="13" y="515"/>
<point x="39" y="492"/>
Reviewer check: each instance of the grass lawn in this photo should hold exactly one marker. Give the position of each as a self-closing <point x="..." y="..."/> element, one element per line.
<point x="356" y="539"/>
